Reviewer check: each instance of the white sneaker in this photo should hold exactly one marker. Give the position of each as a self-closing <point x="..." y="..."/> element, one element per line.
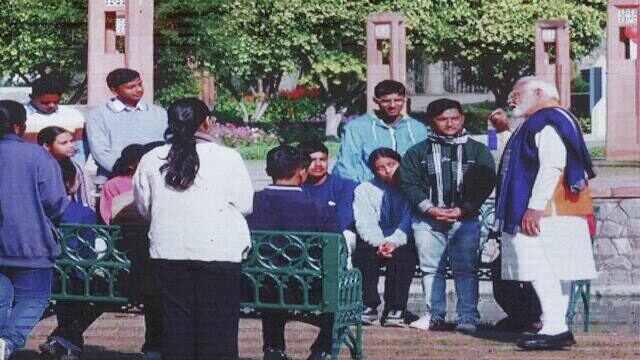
<point x="422" y="323"/>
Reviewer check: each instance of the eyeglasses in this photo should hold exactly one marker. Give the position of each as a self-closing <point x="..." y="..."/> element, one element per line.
<point x="392" y="100"/>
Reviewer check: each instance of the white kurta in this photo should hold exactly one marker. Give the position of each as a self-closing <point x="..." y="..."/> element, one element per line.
<point x="563" y="248"/>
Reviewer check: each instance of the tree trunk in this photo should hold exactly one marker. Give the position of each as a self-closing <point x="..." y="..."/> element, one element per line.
<point x="261" y="109"/>
<point x="245" y="112"/>
<point x="333" y="119"/>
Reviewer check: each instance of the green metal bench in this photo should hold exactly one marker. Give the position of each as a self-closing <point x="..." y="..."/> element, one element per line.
<point x="304" y="274"/>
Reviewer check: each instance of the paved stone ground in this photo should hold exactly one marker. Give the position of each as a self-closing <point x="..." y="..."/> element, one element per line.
<point x="119" y="337"/>
<point x="615" y="334"/>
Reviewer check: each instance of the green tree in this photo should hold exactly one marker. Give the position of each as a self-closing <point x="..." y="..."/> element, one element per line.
<point x="252" y="44"/>
<point x="492" y="41"/>
<point x="39" y="36"/>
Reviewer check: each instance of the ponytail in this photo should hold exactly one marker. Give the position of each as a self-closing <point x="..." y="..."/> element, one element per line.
<point x="11" y="113"/>
<point x="185" y="117"/>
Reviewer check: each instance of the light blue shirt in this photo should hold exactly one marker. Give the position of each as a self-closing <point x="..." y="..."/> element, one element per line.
<point x="365" y="134"/>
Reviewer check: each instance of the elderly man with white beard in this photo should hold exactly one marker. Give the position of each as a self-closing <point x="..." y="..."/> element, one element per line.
<point x="543" y="203"/>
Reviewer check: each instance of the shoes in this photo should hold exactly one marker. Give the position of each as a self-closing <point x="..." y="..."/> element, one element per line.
<point x="546" y="342"/>
<point x="319" y="355"/>
<point x="511" y="324"/>
<point x="421" y="323"/>
<point x="275" y="354"/>
<point x="466" y="328"/>
<point x="369" y="316"/>
<point x="151" y="355"/>
<point x="393" y="318"/>
<point x="410" y="317"/>
<point x="59" y="349"/>
<point x="438" y="325"/>
<point x="5" y="351"/>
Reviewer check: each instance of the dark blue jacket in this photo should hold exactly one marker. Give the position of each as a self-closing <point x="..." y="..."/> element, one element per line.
<point x="31" y="194"/>
<point x="290" y="208"/>
<point x="337" y="192"/>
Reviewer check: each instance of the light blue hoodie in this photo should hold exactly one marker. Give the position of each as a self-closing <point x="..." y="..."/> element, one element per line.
<point x="366" y="133"/>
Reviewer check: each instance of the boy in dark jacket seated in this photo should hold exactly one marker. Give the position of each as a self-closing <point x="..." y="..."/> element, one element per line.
<point x="284" y="206"/>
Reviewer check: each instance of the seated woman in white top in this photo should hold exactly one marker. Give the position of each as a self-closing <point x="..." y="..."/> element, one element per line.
<point x="195" y="193"/>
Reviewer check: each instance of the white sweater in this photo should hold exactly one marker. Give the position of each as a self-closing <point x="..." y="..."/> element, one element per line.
<point x="204" y="222"/>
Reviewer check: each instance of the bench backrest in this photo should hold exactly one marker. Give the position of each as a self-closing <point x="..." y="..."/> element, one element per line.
<point x="294" y="270"/>
<point x="91" y="266"/>
<point x="283" y="270"/>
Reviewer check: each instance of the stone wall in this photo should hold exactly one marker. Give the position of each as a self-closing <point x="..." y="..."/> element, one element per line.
<point x="617" y="242"/>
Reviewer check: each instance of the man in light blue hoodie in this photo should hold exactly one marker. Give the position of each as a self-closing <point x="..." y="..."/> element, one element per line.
<point x="387" y="127"/>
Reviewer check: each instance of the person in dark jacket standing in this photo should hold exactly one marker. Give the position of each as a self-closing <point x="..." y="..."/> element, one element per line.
<point x="447" y="178"/>
<point x="32" y="193"/>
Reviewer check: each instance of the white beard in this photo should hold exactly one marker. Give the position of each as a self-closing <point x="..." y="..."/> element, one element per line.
<point x="525" y="105"/>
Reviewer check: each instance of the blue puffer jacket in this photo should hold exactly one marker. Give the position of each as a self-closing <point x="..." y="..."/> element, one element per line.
<point x="367" y="133"/>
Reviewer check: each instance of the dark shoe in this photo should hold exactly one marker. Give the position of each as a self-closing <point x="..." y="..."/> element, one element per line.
<point x="319" y="355"/>
<point x="467" y="328"/>
<point x="438" y="325"/>
<point x="410" y="317"/>
<point x="60" y="349"/>
<point x="546" y="342"/>
<point x="275" y="354"/>
<point x="370" y="316"/>
<point x="510" y="324"/>
<point x="393" y="318"/>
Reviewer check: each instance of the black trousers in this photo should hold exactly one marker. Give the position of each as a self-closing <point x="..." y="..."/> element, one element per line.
<point x="75" y="317"/>
<point x="273" y="323"/>
<point x="201" y="309"/>
<point x="517" y="299"/>
<point x="399" y="273"/>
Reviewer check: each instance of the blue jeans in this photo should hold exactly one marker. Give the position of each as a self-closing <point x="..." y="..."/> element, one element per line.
<point x="24" y="295"/>
<point x="438" y="242"/>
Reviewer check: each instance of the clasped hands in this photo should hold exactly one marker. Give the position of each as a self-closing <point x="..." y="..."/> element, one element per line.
<point x="449" y="215"/>
<point x="386" y="250"/>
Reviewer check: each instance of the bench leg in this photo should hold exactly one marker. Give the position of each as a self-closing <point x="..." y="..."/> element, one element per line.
<point x="337" y="338"/>
<point x="571" y="309"/>
<point x="586" y="298"/>
<point x="356" y="352"/>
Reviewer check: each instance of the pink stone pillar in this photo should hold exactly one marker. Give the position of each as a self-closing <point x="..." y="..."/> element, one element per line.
<point x="139" y="53"/>
<point x="120" y="35"/>
<point x="552" y="56"/>
<point x="385" y="27"/>
<point x="623" y="81"/>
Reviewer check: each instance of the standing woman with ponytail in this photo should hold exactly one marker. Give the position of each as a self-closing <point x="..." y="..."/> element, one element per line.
<point x="195" y="193"/>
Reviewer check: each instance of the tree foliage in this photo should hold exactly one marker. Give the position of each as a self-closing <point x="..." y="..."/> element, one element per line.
<point x="37" y="36"/>
<point x="251" y="44"/>
<point x="492" y="41"/>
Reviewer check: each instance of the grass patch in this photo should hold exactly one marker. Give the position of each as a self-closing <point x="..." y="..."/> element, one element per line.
<point x="597" y="152"/>
<point x="259" y="151"/>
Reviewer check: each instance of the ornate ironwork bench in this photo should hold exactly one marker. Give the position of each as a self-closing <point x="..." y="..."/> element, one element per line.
<point x="304" y="274"/>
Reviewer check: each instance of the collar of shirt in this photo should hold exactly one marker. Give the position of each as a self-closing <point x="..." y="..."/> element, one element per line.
<point x="403" y="118"/>
<point x="30" y="109"/>
<point x="117" y="106"/>
<point x="283" y="187"/>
